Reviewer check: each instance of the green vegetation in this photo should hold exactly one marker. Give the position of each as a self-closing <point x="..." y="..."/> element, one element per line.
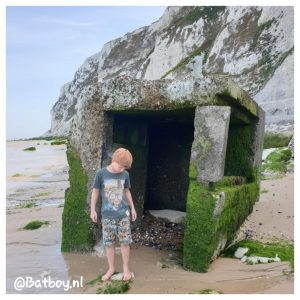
<point x="111" y="287"/>
<point x="276" y="140"/>
<point x="76" y="224"/>
<point x="264" y="26"/>
<point x="263" y="191"/>
<point x="205" y="228"/>
<point x="277" y="160"/>
<point x="209" y="291"/>
<point x="269" y="63"/>
<point x="94" y="281"/>
<point x="40" y="195"/>
<point x="238" y="152"/>
<point x="186" y="60"/>
<point x="215" y="211"/>
<point x="284" y="250"/>
<point x="230" y="181"/>
<point x="46" y="138"/>
<point x="58" y="142"/>
<point x="17" y="175"/>
<point x="280" y="155"/>
<point x="27" y="205"/>
<point x="198" y="12"/>
<point x="115" y="287"/>
<point x="30" y="149"/>
<point x="35" y="225"/>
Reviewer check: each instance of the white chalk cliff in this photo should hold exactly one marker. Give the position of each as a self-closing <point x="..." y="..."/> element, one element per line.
<point x="252" y="45"/>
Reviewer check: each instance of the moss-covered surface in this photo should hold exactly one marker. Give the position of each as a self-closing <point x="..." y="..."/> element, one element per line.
<point x="27" y="205"/>
<point x="209" y="291"/>
<point x="215" y="211"/>
<point x="17" y="175"/>
<point x="197" y="12"/>
<point x="115" y="287"/>
<point x="285" y="251"/>
<point x="233" y="94"/>
<point x="239" y="152"/>
<point x="207" y="232"/>
<point x="58" y="142"/>
<point x="35" y="224"/>
<point x="30" y="149"/>
<point x="186" y="60"/>
<point x="76" y="225"/>
<point x="276" y="140"/>
<point x="277" y="161"/>
<point x="110" y="287"/>
<point x="46" y="138"/>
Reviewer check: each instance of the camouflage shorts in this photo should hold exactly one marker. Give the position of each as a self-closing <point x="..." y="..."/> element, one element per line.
<point x="119" y="228"/>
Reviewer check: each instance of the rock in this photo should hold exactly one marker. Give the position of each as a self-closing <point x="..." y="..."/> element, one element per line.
<point x="266" y="152"/>
<point x="291" y="146"/>
<point x="45" y="273"/>
<point x="170" y="215"/>
<point x="259" y="259"/>
<point x="229" y="41"/>
<point x="119" y="276"/>
<point x="240" y="252"/>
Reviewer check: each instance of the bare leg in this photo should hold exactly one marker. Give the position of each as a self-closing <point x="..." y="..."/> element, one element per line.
<point x="125" y="249"/>
<point x="110" y="254"/>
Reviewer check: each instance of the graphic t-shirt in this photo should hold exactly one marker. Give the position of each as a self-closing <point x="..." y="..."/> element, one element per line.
<point x="114" y="202"/>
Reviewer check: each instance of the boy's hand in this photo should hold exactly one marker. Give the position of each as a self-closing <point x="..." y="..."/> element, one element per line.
<point x="94" y="216"/>
<point x="133" y="214"/>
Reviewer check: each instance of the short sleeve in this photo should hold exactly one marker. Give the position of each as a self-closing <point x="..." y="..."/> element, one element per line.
<point x="98" y="182"/>
<point x="127" y="184"/>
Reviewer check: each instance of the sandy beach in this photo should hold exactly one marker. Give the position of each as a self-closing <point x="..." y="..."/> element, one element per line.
<point x="36" y="253"/>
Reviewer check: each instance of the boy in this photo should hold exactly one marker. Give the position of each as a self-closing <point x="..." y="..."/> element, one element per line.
<point x="113" y="183"/>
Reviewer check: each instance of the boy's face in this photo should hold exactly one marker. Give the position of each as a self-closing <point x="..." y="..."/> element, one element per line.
<point x="119" y="168"/>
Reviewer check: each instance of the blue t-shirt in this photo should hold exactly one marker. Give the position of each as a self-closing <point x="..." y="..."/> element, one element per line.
<point x="114" y="202"/>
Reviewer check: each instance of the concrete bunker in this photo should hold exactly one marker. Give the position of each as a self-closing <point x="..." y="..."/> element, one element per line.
<point x="197" y="148"/>
<point x="160" y="142"/>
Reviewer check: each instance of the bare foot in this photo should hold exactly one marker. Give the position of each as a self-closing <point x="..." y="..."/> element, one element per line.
<point x="126" y="276"/>
<point x="107" y="275"/>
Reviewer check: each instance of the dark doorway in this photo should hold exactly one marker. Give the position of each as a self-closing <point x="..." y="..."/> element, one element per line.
<point x="160" y="142"/>
<point x="168" y="164"/>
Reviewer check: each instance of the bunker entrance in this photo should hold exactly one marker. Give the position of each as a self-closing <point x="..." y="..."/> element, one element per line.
<point x="160" y="142"/>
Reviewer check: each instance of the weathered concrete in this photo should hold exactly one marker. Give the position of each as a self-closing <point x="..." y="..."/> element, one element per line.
<point x="169" y="215"/>
<point x="175" y="130"/>
<point x="210" y="141"/>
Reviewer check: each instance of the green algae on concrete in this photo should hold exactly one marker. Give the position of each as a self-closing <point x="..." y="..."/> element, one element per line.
<point x="76" y="225"/>
<point x="239" y="152"/>
<point x="284" y="250"/>
<point x="213" y="216"/>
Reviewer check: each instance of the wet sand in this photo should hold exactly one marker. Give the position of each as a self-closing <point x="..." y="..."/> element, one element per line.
<point x="34" y="252"/>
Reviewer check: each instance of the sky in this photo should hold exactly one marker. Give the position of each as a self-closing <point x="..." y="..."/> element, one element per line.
<point x="44" y="48"/>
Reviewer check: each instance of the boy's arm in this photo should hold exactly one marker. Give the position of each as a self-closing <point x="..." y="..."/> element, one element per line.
<point x="95" y="195"/>
<point x="129" y="198"/>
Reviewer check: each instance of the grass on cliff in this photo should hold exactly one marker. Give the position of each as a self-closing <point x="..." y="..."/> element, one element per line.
<point x="276" y="140"/>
